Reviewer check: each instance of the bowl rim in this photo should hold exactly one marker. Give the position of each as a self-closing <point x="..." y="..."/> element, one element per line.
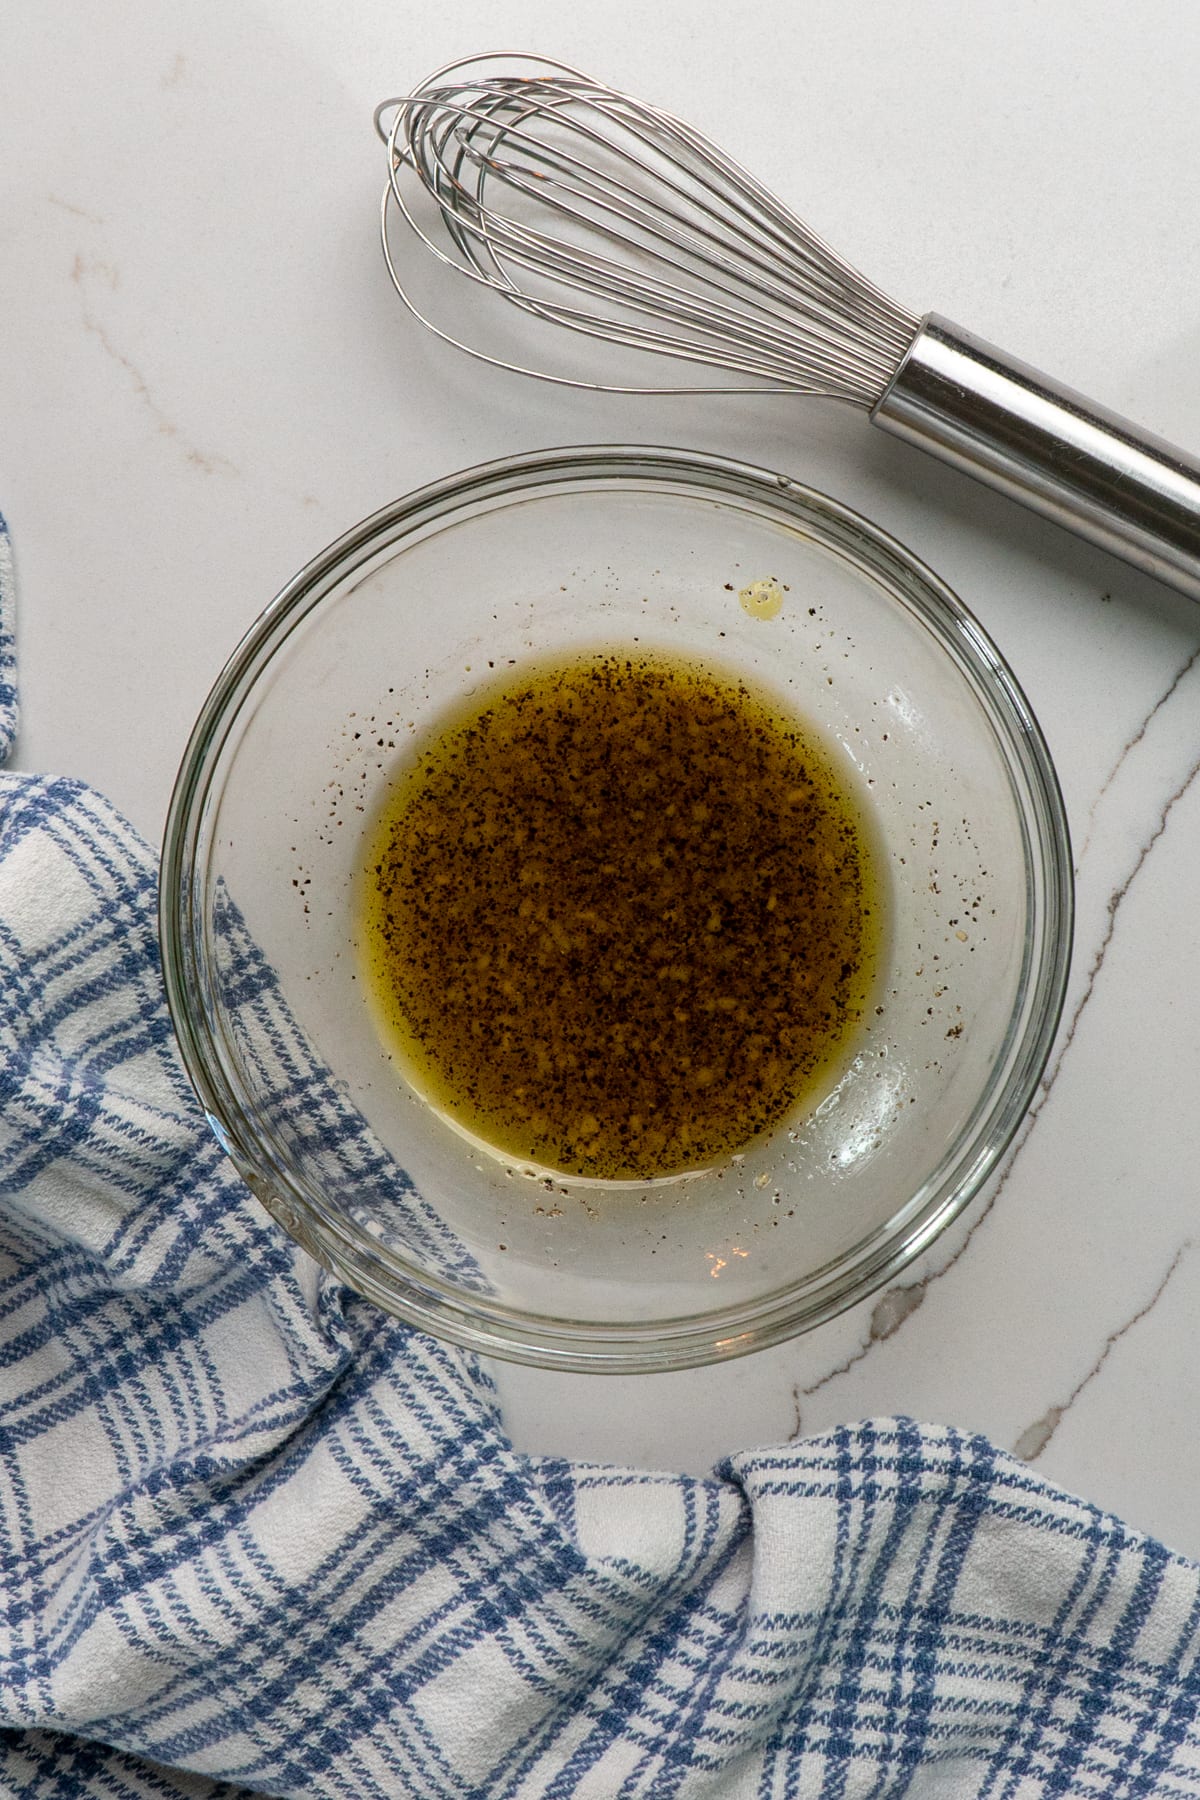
<point x="476" y="1321"/>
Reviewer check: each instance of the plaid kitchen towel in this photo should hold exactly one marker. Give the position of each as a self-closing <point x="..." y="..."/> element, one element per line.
<point x="8" y="647"/>
<point x="256" y="1537"/>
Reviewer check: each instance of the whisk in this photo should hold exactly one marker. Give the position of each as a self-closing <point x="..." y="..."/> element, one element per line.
<point x="591" y="210"/>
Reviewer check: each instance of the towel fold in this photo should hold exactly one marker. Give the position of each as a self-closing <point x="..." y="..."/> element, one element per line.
<point x="257" y="1537"/>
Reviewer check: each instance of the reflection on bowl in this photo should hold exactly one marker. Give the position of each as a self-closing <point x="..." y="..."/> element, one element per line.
<point x="554" y="555"/>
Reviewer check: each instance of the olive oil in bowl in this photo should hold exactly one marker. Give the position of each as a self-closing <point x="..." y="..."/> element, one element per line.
<point x="621" y="913"/>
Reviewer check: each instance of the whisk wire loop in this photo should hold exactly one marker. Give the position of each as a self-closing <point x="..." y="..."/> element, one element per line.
<point x="706" y="313"/>
<point x="647" y="235"/>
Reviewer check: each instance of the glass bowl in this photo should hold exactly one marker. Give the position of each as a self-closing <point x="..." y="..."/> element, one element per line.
<point x="573" y="550"/>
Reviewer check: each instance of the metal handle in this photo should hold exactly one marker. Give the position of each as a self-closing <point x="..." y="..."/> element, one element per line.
<point x="1049" y="447"/>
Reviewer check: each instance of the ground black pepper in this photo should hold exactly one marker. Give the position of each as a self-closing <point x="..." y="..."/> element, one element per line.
<point x="620" y="913"/>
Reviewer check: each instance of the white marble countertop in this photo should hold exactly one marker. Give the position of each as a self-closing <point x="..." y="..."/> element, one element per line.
<point x="204" y="377"/>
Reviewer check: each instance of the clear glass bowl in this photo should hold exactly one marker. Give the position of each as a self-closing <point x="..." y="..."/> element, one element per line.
<point x="578" y="549"/>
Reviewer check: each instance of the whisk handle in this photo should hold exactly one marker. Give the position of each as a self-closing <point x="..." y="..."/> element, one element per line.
<point x="1016" y="429"/>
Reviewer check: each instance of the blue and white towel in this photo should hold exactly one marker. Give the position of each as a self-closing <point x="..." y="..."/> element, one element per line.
<point x="257" y="1537"/>
<point x="8" y="647"/>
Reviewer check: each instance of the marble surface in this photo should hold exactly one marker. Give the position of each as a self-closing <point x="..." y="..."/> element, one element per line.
<point x="204" y="377"/>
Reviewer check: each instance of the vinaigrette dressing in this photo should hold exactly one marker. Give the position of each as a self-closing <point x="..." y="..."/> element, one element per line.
<point x="619" y="915"/>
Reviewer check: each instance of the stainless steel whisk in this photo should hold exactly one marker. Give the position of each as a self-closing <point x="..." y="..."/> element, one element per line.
<point x="589" y="209"/>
